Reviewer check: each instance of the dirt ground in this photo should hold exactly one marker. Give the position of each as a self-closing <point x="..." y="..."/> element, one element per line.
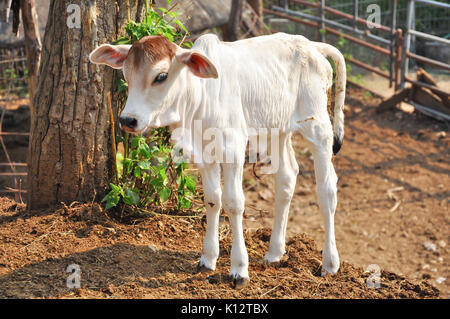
<point x="393" y="193"/>
<point x="157" y="258"/>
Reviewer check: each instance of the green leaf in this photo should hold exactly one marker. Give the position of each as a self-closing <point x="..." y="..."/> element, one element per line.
<point x="134" y="155"/>
<point x="181" y="25"/>
<point x="112" y="199"/>
<point x="144" y="150"/>
<point x="157" y="182"/>
<point x="122" y="86"/>
<point x="190" y="183"/>
<point x="163" y="10"/>
<point x="183" y="203"/>
<point x="135" y="141"/>
<point x="116" y="189"/>
<point x="131" y="197"/>
<point x="110" y="205"/>
<point x="137" y="172"/>
<point x="162" y="173"/>
<point x="144" y="165"/>
<point x="164" y="193"/>
<point x="127" y="163"/>
<point x="122" y="40"/>
<point x="105" y="198"/>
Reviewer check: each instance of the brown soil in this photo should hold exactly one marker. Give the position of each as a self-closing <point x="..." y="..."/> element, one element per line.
<point x="156" y="257"/>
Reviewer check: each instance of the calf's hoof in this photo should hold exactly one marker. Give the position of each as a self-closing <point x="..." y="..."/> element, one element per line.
<point x="272" y="259"/>
<point x="239" y="282"/>
<point x="201" y="267"/>
<point x="330" y="262"/>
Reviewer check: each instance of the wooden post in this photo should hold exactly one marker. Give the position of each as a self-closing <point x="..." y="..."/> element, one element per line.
<point x="33" y="45"/>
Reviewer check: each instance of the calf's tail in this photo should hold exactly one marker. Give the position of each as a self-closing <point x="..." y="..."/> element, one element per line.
<point x="330" y="51"/>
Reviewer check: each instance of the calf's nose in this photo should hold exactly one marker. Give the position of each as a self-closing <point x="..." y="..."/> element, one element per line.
<point x="128" y="122"/>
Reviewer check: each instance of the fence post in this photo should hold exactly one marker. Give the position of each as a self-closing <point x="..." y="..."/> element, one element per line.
<point x="322" y="20"/>
<point x="393" y="41"/>
<point x="398" y="58"/>
<point x="407" y="41"/>
<point x="355" y="14"/>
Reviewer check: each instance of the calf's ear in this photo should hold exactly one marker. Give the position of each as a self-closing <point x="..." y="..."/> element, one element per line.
<point x="199" y="64"/>
<point x="112" y="55"/>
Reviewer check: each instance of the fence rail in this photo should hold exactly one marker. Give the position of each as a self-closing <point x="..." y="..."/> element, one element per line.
<point x="410" y="31"/>
<point x="399" y="46"/>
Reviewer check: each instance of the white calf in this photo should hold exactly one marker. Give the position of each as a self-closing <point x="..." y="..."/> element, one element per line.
<point x="278" y="81"/>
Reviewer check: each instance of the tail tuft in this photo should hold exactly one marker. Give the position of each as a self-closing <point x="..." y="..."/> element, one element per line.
<point x="338" y="139"/>
<point x="337" y="143"/>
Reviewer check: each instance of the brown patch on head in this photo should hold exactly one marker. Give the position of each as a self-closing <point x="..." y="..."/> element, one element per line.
<point x="151" y="49"/>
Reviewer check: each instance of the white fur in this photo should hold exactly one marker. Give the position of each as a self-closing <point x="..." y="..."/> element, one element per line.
<point x="277" y="81"/>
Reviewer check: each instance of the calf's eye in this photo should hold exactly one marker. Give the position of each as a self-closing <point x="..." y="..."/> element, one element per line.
<point x="160" y="78"/>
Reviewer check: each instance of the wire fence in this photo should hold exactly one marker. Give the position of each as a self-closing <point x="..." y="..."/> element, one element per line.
<point x="13" y="101"/>
<point x="427" y="18"/>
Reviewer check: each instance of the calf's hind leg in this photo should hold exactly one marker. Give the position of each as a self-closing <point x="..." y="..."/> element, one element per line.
<point x="285" y="179"/>
<point x="319" y="134"/>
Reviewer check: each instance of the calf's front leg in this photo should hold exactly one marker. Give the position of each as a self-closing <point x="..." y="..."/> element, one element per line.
<point x="212" y="191"/>
<point x="233" y="201"/>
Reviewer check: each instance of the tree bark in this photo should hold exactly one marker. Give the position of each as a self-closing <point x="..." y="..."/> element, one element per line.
<point x="33" y="45"/>
<point x="5" y="6"/>
<point x="257" y="5"/>
<point x="70" y="157"/>
<point x="233" y="26"/>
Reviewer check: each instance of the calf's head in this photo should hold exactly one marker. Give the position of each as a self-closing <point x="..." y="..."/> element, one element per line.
<point x="151" y="67"/>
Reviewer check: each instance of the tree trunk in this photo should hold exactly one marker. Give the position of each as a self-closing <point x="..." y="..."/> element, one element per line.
<point x="33" y="44"/>
<point x="234" y="23"/>
<point x="257" y="5"/>
<point x="70" y="157"/>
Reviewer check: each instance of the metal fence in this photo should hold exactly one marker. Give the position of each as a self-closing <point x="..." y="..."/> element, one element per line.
<point x="407" y="54"/>
<point x="428" y="18"/>
<point x="387" y="40"/>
